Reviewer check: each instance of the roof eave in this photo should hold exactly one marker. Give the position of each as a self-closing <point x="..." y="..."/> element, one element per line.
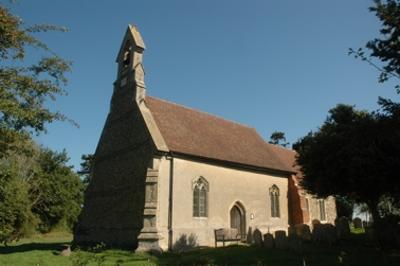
<point x="230" y="164"/>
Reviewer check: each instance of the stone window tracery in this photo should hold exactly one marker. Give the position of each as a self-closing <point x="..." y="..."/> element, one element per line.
<point x="274" y="196"/>
<point x="200" y="197"/>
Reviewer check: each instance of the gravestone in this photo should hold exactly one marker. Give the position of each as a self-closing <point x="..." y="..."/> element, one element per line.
<point x="249" y="238"/>
<point x="357" y="223"/>
<point x="330" y="233"/>
<point x="342" y="227"/>
<point x="301" y="231"/>
<point x="257" y="238"/>
<point x="324" y="233"/>
<point x="295" y="243"/>
<point x="268" y="240"/>
<point x="317" y="234"/>
<point x="315" y="222"/>
<point x="281" y="240"/>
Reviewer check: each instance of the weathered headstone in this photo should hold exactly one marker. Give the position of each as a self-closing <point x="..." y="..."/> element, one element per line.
<point x="317" y="234"/>
<point x="249" y="238"/>
<point x="342" y="227"/>
<point x="281" y="240"/>
<point x="330" y="233"/>
<point x="357" y="223"/>
<point x="295" y="243"/>
<point x="301" y="231"/>
<point x="324" y="233"/>
<point x="268" y="240"/>
<point x="257" y="238"/>
<point x="314" y="222"/>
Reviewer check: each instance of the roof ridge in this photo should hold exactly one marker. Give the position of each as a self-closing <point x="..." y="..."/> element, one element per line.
<point x="281" y="147"/>
<point x="204" y="112"/>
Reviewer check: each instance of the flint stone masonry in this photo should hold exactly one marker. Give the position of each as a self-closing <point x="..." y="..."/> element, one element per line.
<point x="114" y="200"/>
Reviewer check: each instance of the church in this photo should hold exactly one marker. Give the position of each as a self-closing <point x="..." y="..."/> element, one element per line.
<point x="162" y="171"/>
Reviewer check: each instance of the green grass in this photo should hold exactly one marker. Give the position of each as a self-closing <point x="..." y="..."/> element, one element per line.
<point x="44" y="250"/>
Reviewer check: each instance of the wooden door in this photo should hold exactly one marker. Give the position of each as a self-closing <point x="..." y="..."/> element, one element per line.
<point x="238" y="220"/>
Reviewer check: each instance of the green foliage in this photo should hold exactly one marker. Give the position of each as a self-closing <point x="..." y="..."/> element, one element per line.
<point x="56" y="191"/>
<point x="86" y="168"/>
<point x="344" y="207"/>
<point x="93" y="255"/>
<point x="16" y="218"/>
<point x="354" y="154"/>
<point x="37" y="187"/>
<point x="278" y="138"/>
<point x="38" y="190"/>
<point x="24" y="88"/>
<point x="387" y="47"/>
<point x="354" y="251"/>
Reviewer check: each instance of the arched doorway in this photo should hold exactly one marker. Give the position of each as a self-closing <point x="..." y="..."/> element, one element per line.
<point x="238" y="219"/>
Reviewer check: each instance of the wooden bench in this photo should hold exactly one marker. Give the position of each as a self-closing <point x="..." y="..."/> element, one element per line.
<point x="226" y="235"/>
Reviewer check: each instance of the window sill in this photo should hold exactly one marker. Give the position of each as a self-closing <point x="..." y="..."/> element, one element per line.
<point x="200" y="218"/>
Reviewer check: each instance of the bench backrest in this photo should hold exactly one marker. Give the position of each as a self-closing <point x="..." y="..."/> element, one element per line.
<point x="226" y="233"/>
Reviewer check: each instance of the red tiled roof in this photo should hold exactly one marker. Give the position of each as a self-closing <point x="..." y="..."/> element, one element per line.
<point x="196" y="133"/>
<point x="288" y="157"/>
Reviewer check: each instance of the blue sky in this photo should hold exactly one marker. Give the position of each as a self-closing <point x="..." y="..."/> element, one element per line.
<point x="273" y="65"/>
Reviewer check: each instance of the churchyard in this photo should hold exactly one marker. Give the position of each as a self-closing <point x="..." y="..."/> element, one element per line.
<point x="325" y="245"/>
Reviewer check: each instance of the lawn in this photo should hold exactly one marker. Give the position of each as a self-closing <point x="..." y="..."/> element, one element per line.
<point x="44" y="250"/>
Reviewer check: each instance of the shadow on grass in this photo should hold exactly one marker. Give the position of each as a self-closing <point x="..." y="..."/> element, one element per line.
<point x="57" y="247"/>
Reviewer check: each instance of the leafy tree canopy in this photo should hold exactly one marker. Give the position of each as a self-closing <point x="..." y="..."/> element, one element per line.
<point x="386" y="48"/>
<point x="38" y="191"/>
<point x="354" y="154"/>
<point x="25" y="87"/>
<point x="86" y="168"/>
<point x="278" y="138"/>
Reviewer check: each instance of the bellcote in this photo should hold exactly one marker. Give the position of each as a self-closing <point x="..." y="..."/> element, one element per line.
<point x="130" y="63"/>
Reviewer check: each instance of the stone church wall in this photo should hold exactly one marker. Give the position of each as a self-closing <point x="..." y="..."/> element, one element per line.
<point x="330" y="210"/>
<point x="114" y="200"/>
<point x="227" y="186"/>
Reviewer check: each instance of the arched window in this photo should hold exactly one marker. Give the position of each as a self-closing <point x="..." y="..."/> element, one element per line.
<point x="322" y="214"/>
<point x="274" y="195"/>
<point x="200" y="197"/>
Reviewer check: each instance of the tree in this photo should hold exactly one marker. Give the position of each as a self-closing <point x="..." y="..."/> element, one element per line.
<point x="56" y="191"/>
<point x="38" y="191"/>
<point x="16" y="217"/>
<point x="86" y="168"/>
<point x="355" y="155"/>
<point x="344" y="207"/>
<point x="278" y="138"/>
<point x="25" y="88"/>
<point x="36" y="185"/>
<point x="387" y="47"/>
